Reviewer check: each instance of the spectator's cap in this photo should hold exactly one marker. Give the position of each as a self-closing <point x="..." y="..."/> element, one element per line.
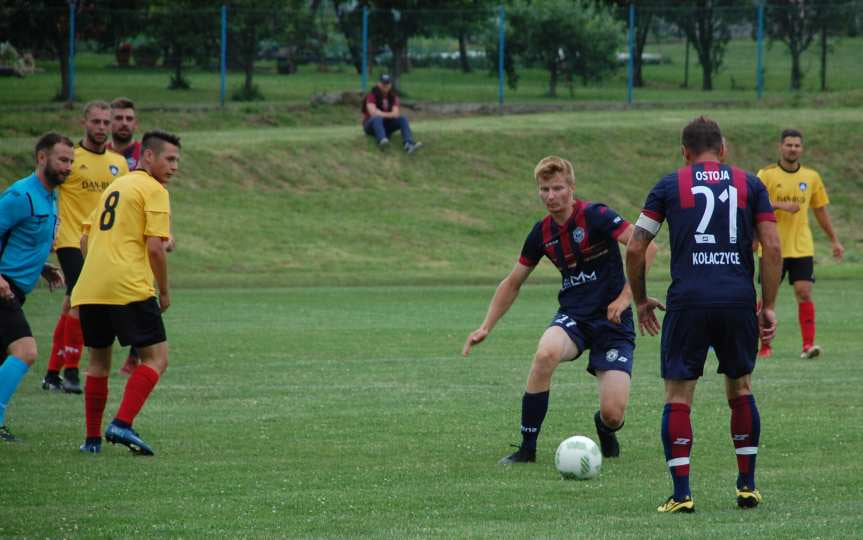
<point x="386" y="79"/>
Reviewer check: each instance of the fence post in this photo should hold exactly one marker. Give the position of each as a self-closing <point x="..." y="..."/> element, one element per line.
<point x="630" y="65"/>
<point x="759" y="75"/>
<point x="364" y="75"/>
<point x="71" y="75"/>
<point x="501" y="44"/>
<point x="223" y="56"/>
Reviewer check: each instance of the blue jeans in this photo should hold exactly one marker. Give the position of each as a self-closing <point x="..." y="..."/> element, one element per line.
<point x="382" y="128"/>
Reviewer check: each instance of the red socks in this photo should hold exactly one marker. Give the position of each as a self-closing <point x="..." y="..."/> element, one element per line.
<point x="745" y="433"/>
<point x="74" y="343"/>
<point x="138" y="388"/>
<point x="95" y="398"/>
<point x="58" y="345"/>
<point x="806" y="316"/>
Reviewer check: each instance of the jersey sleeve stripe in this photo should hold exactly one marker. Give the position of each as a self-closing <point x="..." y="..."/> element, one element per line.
<point x="684" y="187"/>
<point x="620" y="230"/>
<point x="524" y="261"/>
<point x="653" y="214"/>
<point x="765" y="216"/>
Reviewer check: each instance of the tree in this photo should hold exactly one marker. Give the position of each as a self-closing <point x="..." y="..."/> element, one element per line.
<point x="463" y="20"/>
<point x="569" y="38"/>
<point x="41" y="27"/>
<point x="796" y="23"/>
<point x="707" y="25"/>
<point x="646" y="12"/>
<point x="249" y="23"/>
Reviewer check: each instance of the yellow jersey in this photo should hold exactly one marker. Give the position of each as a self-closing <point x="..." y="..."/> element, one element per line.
<point x="78" y="195"/>
<point x="804" y="187"/>
<point x="117" y="266"/>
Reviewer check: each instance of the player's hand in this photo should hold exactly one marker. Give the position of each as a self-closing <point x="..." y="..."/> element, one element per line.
<point x="6" y="293"/>
<point x="647" y="321"/>
<point x="477" y="336"/>
<point x="792" y="207"/>
<point x="838" y="250"/>
<point x="170" y="244"/>
<point x="766" y="325"/>
<point x="616" y="309"/>
<point x="53" y="276"/>
<point x="164" y="301"/>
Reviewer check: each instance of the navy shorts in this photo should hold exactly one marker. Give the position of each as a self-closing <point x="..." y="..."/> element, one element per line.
<point x="688" y="334"/>
<point x="611" y="345"/>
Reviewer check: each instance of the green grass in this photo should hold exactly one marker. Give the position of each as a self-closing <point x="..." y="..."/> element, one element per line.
<point x="98" y="78"/>
<point x="347" y="412"/>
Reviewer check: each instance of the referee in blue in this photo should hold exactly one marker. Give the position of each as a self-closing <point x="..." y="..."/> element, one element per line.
<point x="28" y="221"/>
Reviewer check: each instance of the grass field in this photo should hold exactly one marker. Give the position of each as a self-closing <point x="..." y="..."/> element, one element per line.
<point x="348" y="412"/>
<point x="97" y="78"/>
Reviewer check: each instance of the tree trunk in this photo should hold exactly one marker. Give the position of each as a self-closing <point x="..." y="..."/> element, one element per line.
<point x="640" y="41"/>
<point x="249" y="63"/>
<point x="796" y="74"/>
<point x="552" y="79"/>
<point x="462" y="53"/>
<point x="706" y="74"/>
<point x="63" y="92"/>
<point x="823" y="57"/>
<point x="399" y="50"/>
<point x="686" y="65"/>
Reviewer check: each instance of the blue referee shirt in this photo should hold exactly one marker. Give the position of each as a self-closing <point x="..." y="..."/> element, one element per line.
<point x="28" y="223"/>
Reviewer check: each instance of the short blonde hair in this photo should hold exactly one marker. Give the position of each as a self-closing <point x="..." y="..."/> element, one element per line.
<point x="551" y="166"/>
<point x="90" y="105"/>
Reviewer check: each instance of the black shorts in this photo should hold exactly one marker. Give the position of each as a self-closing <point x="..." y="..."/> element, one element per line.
<point x="687" y="335"/>
<point x="139" y="324"/>
<point x="13" y="323"/>
<point x="71" y="261"/>
<point x="798" y="269"/>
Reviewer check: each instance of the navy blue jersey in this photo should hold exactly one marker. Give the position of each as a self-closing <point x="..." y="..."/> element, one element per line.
<point x="585" y="251"/>
<point x="712" y="210"/>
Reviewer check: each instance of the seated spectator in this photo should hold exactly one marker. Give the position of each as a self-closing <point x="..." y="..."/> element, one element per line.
<point x="381" y="116"/>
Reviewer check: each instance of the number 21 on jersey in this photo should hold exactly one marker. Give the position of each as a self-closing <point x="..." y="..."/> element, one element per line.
<point x="729" y="196"/>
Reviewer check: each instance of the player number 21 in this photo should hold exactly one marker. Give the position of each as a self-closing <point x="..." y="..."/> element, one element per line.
<point x="728" y="195"/>
<point x="106" y="219"/>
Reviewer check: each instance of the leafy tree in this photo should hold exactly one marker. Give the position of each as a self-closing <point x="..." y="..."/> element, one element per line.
<point x="707" y="25"/>
<point x="463" y="20"/>
<point x="796" y="23"/>
<point x="569" y="38"/>
<point x="646" y="13"/>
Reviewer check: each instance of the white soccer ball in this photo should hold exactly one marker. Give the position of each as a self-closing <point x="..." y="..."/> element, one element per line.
<point x="578" y="457"/>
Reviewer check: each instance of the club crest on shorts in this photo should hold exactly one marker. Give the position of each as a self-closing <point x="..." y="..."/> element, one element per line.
<point x="578" y="234"/>
<point x="114" y="169"/>
<point x="802" y="186"/>
<point x="611" y="355"/>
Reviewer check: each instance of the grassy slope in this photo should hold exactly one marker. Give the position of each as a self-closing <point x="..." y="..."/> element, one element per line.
<point x="278" y="206"/>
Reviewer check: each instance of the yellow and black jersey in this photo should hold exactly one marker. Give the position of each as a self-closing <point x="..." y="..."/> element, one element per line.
<point x="91" y="174"/>
<point x="117" y="267"/>
<point x="804" y="187"/>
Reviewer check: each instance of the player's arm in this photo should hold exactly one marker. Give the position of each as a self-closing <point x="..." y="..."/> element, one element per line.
<point x="826" y="224"/>
<point x="624" y="299"/>
<point x="159" y="264"/>
<point x="771" y="273"/>
<point x="636" y="274"/>
<point x="504" y="296"/>
<point x="789" y="206"/>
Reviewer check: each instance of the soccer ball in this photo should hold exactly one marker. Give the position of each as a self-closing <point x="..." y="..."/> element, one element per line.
<point x="578" y="457"/>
